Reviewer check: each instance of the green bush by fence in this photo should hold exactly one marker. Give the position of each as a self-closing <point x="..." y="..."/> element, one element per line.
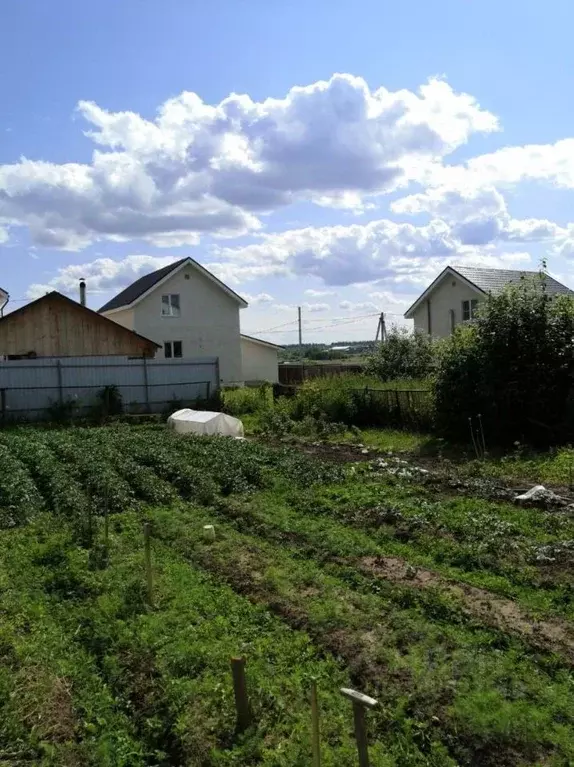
<point x="515" y="366"/>
<point x="351" y="400"/>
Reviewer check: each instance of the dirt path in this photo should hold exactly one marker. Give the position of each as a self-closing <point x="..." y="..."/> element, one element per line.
<point x="552" y="635"/>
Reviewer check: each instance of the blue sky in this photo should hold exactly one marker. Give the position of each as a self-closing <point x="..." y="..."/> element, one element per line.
<point x="370" y="145"/>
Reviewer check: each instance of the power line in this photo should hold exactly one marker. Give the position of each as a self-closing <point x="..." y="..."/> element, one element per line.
<point x="334" y="321"/>
<point x="269" y="330"/>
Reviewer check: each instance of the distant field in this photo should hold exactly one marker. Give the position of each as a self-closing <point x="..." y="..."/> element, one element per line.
<point x="455" y="612"/>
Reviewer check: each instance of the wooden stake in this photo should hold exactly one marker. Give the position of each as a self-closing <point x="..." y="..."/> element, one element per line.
<point x="315" y="726"/>
<point x="106" y="526"/>
<point x="147" y="555"/>
<point x="360" y="703"/>
<point x="244" y="717"/>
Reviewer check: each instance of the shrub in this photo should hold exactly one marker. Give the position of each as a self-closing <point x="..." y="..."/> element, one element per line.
<point x="514" y="365"/>
<point x="404" y="355"/>
<point x="247" y="399"/>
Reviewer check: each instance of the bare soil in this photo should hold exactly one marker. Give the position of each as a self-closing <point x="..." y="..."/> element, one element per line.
<point x="556" y="636"/>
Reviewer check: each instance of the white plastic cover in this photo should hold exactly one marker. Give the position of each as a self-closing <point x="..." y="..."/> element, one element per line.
<point x="189" y="421"/>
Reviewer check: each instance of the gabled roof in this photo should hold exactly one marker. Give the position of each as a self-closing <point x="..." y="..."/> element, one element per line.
<point x="494" y="280"/>
<point x="144" y="285"/>
<point x="94" y="315"/>
<point x="485" y="281"/>
<point x="260" y="341"/>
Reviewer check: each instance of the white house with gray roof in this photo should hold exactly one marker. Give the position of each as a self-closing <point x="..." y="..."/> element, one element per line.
<point x="453" y="297"/>
<point x="188" y="311"/>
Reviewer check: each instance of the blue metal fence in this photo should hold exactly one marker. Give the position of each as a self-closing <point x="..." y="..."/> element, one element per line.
<point x="29" y="387"/>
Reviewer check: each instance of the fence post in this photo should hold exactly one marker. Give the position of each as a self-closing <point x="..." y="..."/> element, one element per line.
<point x="60" y="387"/>
<point x="146" y="384"/>
<point x="360" y="703"/>
<point x="315" y="735"/>
<point x="217" y="377"/>
<point x="147" y="556"/>
<point x="398" y="401"/>
<point x="240" y="691"/>
<point x="3" y="405"/>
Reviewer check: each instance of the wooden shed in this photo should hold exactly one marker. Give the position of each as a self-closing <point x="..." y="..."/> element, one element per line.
<point x="56" y="326"/>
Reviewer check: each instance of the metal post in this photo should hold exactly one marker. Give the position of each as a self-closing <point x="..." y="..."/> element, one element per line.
<point x="60" y="386"/>
<point x="240" y="691"/>
<point x="146" y="384"/>
<point x="300" y="331"/>
<point x="360" y="703"/>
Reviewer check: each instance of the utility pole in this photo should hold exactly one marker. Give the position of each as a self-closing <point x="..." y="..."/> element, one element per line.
<point x="300" y="331"/>
<point x="381" y="328"/>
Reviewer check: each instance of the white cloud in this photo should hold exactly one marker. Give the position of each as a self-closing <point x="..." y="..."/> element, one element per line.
<point x="315" y="308"/>
<point x="199" y="168"/>
<point x="319" y="293"/>
<point x="553" y="163"/>
<point x="387" y="250"/>
<point x="358" y="306"/>
<point x="101" y="275"/>
<point x="235" y="273"/>
<point x="260" y="298"/>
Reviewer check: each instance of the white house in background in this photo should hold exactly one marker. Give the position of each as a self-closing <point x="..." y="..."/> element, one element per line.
<point x="453" y="297"/>
<point x="259" y="360"/>
<point x="186" y="310"/>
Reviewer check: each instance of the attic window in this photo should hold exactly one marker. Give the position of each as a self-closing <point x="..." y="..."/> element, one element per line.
<point x="170" y="306"/>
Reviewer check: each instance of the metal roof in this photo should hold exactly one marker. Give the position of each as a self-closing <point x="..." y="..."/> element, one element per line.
<point x="139" y="287"/>
<point x="486" y="281"/>
<point x="144" y="284"/>
<point x="260" y="341"/>
<point x="495" y="280"/>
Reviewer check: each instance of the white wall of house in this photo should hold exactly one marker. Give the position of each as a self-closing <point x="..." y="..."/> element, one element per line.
<point x="259" y="360"/>
<point x="448" y="294"/>
<point x="208" y="324"/>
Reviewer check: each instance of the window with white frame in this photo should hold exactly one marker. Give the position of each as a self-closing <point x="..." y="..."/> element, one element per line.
<point x="170" y="306"/>
<point x="469" y="309"/>
<point x="172" y="349"/>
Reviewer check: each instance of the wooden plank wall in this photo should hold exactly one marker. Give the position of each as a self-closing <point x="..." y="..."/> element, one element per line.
<point x="58" y="328"/>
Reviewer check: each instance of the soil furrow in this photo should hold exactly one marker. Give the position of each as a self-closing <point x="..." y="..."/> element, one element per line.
<point x="551" y="635"/>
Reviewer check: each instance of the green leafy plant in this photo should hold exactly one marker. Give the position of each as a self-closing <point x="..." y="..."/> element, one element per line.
<point x="402" y="355"/>
<point x="514" y="366"/>
<point x="62" y="413"/>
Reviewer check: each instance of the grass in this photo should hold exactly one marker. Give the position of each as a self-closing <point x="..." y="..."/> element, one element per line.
<point x="351" y="577"/>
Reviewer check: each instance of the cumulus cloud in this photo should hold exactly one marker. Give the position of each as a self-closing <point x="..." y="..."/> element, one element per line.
<point x="552" y="163"/>
<point x="478" y="216"/>
<point x="358" y="306"/>
<point x="319" y="293"/>
<point x="386" y="249"/>
<point x="101" y="275"/>
<point x="259" y="299"/>
<point x="200" y="168"/>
